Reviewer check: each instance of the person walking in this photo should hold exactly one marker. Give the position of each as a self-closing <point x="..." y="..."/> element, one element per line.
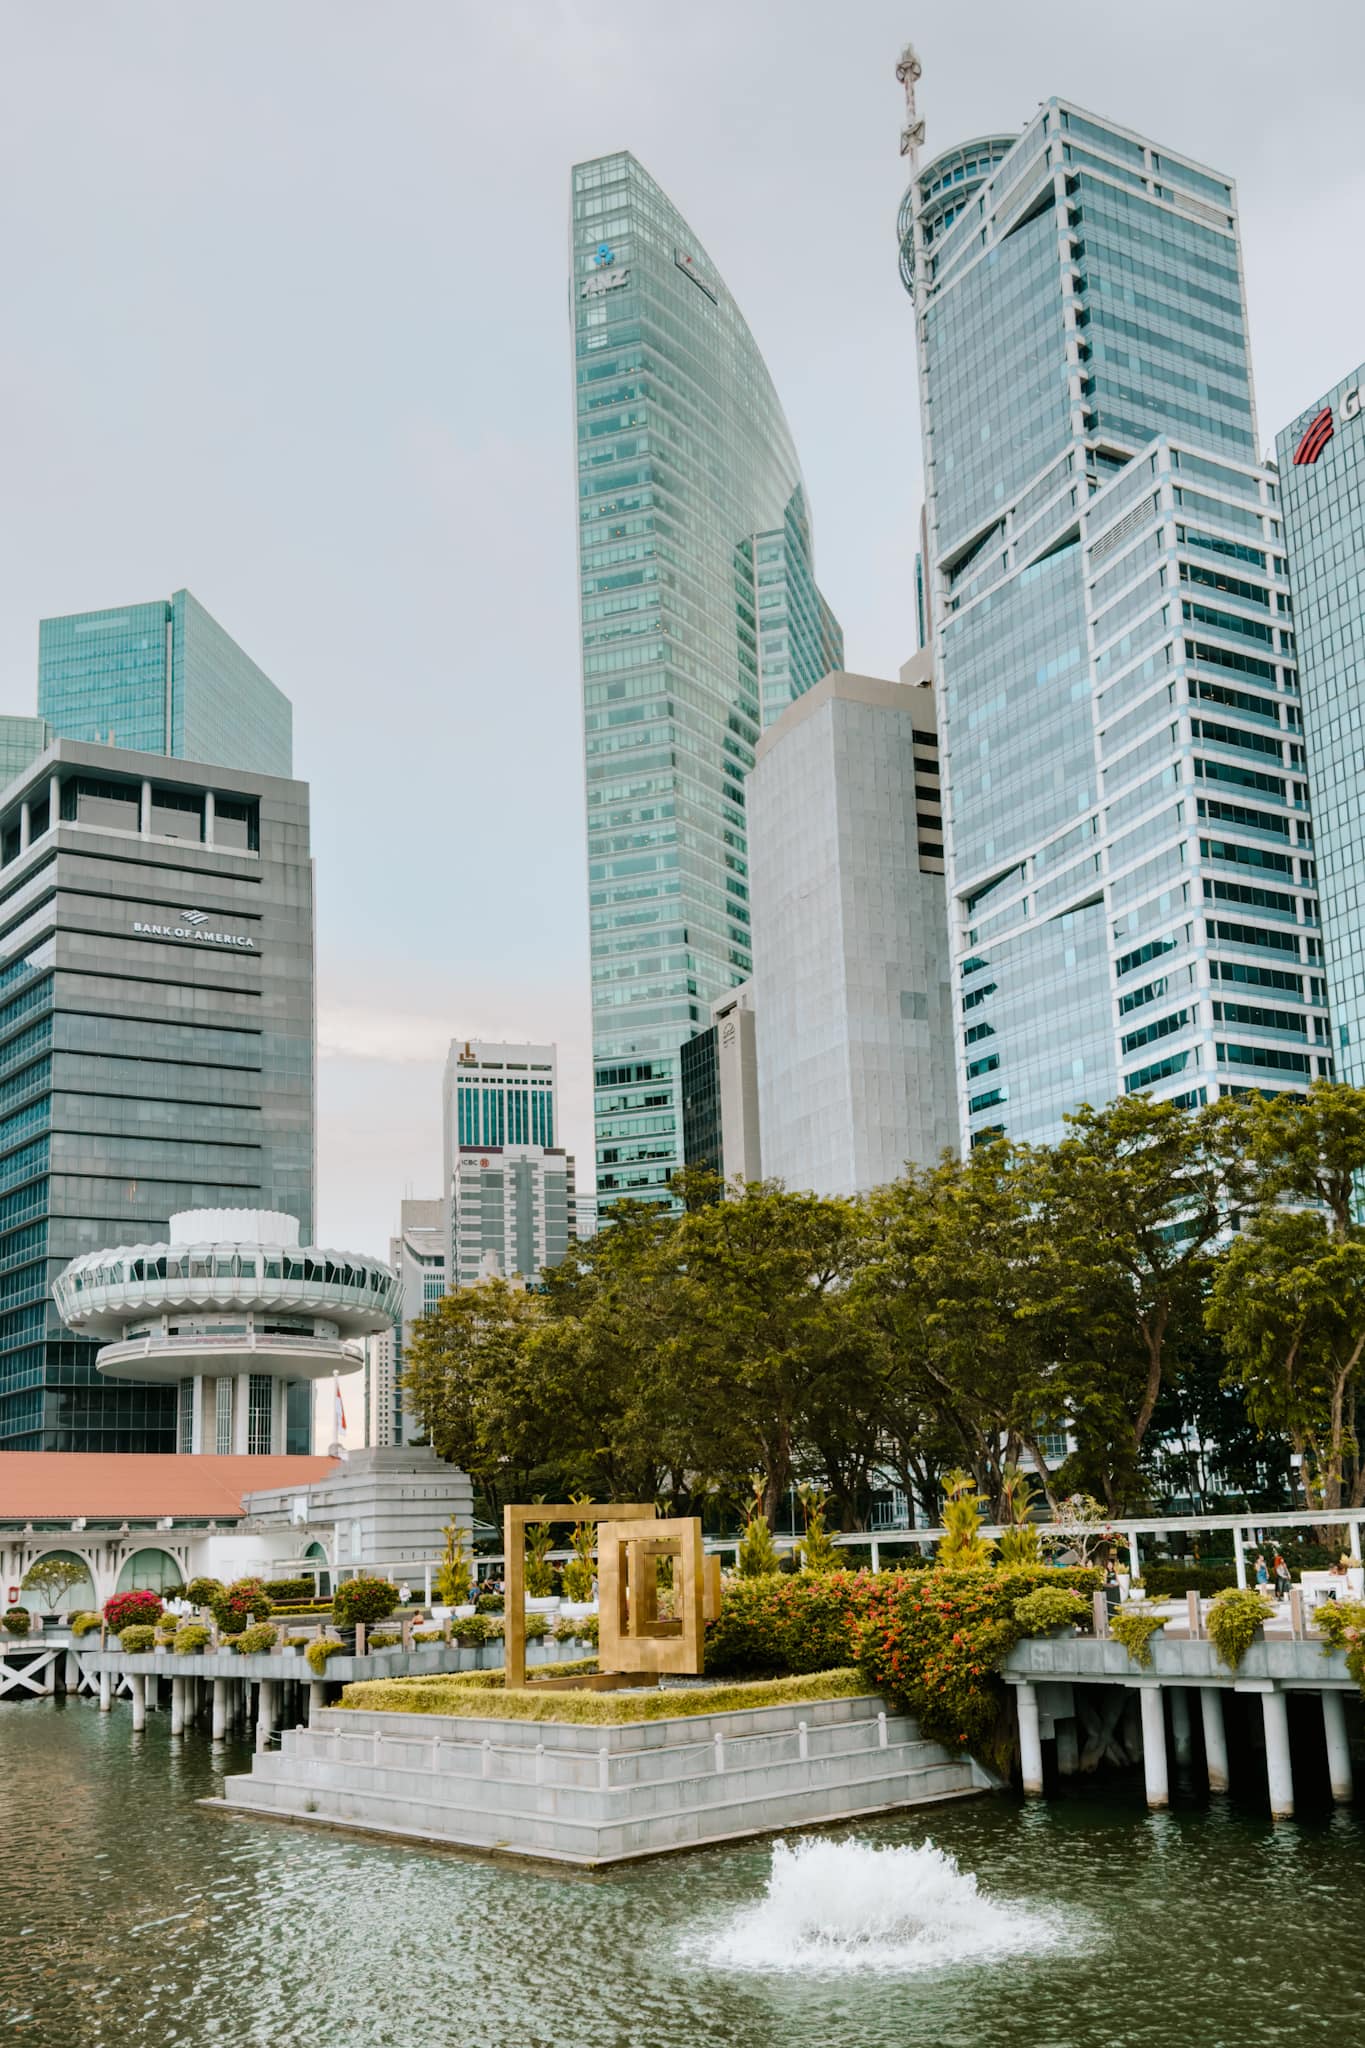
<point x="1283" y="1578"/>
<point x="1262" y="1575"/>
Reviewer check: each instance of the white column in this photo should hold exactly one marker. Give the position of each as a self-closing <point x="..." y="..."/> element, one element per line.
<point x="876" y="1555"/>
<point x="1215" y="1736"/>
<point x="265" y="1712"/>
<point x="54" y="802"/>
<point x="139" y="1685"/>
<point x="145" y="810"/>
<point x="220" y="1708"/>
<point x="1154" y="1746"/>
<point x="317" y="1698"/>
<point x="208" y="817"/>
<point x="241" y="1403"/>
<point x="1338" y="1749"/>
<point x="1355" y="1541"/>
<point x="25" y="825"/>
<point x="1180" y="1724"/>
<point x="1278" y="1769"/>
<point x="1239" y="1558"/>
<point x="1134" y="1556"/>
<point x="106" y="1692"/>
<point x="177" y="1706"/>
<point x="198" y="1419"/>
<point x="1030" y="1739"/>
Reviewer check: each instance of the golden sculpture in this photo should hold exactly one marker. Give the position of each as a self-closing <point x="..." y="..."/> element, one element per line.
<point x="634" y="1640"/>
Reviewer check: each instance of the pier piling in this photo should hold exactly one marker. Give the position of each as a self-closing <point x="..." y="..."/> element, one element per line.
<point x="1154" y="1747"/>
<point x="1215" y="1737"/>
<point x="1338" y="1748"/>
<point x="1278" y="1769"/>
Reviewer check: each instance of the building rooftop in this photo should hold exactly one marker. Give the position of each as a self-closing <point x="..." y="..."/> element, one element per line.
<point x="43" y="1486"/>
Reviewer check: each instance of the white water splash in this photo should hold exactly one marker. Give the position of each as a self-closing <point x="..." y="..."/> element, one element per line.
<point x="850" y="1905"/>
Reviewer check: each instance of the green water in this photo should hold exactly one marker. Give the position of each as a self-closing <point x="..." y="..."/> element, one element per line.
<point x="129" y="1915"/>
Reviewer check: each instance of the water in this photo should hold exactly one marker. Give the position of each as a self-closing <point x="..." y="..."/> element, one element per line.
<point x="129" y="1915"/>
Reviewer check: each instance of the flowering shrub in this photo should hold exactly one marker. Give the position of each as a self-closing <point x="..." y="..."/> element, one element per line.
<point x="16" y="1621"/>
<point x="364" y="1600"/>
<point x="1341" y="1623"/>
<point x="137" y="1638"/>
<point x="122" y="1608"/>
<point x="190" y="1638"/>
<point x="787" y="1624"/>
<point x="232" y="1605"/>
<point x="82" y="1624"/>
<point x="580" y="1628"/>
<point x="934" y="1646"/>
<point x="383" y="1639"/>
<point x="201" y="1592"/>
<point x="318" y="1652"/>
<point x="254" y="1641"/>
<point x="1050" y="1607"/>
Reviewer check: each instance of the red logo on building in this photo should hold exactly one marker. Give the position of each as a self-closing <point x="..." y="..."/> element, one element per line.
<point x="1316" y="435"/>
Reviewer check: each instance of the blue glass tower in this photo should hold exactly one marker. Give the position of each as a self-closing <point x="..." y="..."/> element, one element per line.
<point x="701" y="620"/>
<point x="1132" y="894"/>
<point x="1322" y="475"/>
<point x="162" y="678"/>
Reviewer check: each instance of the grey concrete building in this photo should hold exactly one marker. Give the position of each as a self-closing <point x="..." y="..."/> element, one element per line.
<point x="157" y="1037"/>
<point x="419" y="1256"/>
<point x="852" y="998"/>
<point x="720" y="1090"/>
<point x="383" y="1510"/>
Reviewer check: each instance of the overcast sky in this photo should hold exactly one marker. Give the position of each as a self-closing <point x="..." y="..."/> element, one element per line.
<point x="284" y="319"/>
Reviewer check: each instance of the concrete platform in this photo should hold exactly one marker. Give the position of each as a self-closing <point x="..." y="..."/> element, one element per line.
<point x="593" y="1796"/>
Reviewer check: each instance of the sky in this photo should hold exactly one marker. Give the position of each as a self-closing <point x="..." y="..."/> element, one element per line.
<point x="284" y="319"/>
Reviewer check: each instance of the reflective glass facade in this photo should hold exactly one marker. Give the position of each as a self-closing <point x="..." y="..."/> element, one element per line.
<point x="162" y="678"/>
<point x="156" y="1047"/>
<point x="700" y="619"/>
<point x="1131" y="878"/>
<point x="1324" y="507"/>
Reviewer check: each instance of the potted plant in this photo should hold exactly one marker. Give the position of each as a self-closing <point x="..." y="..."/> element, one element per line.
<point x="1236" y="1619"/>
<point x="1050" y="1611"/>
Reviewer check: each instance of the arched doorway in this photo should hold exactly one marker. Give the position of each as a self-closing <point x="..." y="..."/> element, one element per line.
<point x="76" y="1598"/>
<point x="154" y="1571"/>
<point x="316" y="1554"/>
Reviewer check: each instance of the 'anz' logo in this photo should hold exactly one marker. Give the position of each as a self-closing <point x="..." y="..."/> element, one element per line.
<point x="1316" y="435"/>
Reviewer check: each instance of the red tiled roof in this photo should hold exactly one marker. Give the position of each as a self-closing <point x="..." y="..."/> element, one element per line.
<point x="47" y="1485"/>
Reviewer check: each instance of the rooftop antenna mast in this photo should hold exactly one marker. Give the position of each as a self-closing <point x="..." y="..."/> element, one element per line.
<point x="909" y="71"/>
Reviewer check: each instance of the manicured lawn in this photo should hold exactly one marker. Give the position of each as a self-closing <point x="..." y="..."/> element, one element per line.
<point x="482" y="1694"/>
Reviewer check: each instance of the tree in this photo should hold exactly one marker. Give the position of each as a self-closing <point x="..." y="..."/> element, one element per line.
<point x="757" y="1555"/>
<point x="962" y="1545"/>
<point x="50" y="1577"/>
<point x="453" y="1577"/>
<point x="818" y="1552"/>
<point x="1129" y="1202"/>
<point x="761" y="1323"/>
<point x="1289" y="1300"/>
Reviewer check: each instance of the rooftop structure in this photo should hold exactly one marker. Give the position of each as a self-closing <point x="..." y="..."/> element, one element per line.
<point x="237" y="1314"/>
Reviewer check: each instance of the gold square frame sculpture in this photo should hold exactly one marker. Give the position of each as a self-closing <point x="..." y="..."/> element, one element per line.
<point x="633" y="1639"/>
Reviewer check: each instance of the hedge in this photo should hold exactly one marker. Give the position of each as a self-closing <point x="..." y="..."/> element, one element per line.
<point x="121" y="1608"/>
<point x="1172" y="1581"/>
<point x="459" y="1697"/>
<point x="787" y="1623"/>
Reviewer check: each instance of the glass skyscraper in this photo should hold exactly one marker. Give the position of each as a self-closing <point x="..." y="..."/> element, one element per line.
<point x="1132" y="895"/>
<point x="701" y="620"/>
<point x="162" y="678"/>
<point x="1321" y="457"/>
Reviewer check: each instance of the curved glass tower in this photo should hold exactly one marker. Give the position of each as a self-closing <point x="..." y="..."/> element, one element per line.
<point x="701" y="621"/>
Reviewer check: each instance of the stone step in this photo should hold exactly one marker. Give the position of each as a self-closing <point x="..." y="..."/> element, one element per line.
<point x="518" y="1792"/>
<point x="792" y="1797"/>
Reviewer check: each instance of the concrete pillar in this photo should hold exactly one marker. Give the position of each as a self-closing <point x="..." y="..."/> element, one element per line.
<point x="139" y="1685"/>
<point x="265" y="1712"/>
<point x="25" y="826"/>
<point x="1279" y="1772"/>
<point x="1068" y="1748"/>
<point x="317" y="1699"/>
<point x="177" y="1706"/>
<point x="1181" y="1740"/>
<point x="1154" y="1747"/>
<point x="106" y="1692"/>
<point x="876" y="1555"/>
<point x="1239" y="1558"/>
<point x="145" y="811"/>
<point x="1338" y="1749"/>
<point x="1193" y="1619"/>
<point x="1215" y="1736"/>
<point x="220" y="1708"/>
<point x="1030" y="1739"/>
<point x="54" y="802"/>
<point x="208" y="817"/>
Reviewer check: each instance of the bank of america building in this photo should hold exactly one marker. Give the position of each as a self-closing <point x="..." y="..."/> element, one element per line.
<point x="156" y="1045"/>
<point x="1131" y="875"/>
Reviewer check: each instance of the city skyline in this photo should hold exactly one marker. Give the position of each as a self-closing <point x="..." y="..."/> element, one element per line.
<point x="331" y="553"/>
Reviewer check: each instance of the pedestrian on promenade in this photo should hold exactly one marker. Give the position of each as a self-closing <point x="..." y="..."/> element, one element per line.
<point x="1283" y="1580"/>
<point x="1262" y="1575"/>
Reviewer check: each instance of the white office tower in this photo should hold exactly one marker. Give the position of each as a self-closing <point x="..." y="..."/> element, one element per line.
<point x="851" y="983"/>
<point x="419" y="1256"/>
<point x="510" y="1188"/>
